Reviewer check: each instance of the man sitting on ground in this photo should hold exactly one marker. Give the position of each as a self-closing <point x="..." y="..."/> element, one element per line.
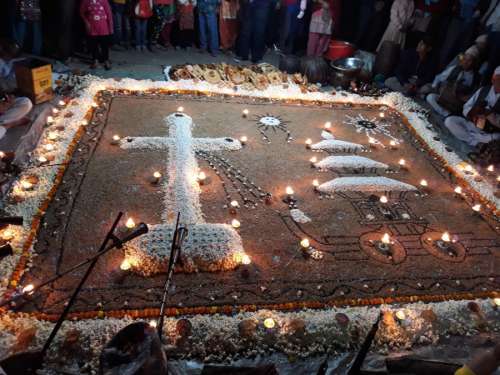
<point x="455" y="84"/>
<point x="13" y="111"/>
<point x="415" y="69"/>
<point x="482" y="116"/>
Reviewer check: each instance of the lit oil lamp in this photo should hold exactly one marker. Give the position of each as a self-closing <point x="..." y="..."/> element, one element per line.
<point x="315" y="184"/>
<point x="289" y="195"/>
<point x="115" y="140"/>
<point x="305" y="243"/>
<point x="235" y="223"/>
<point x="458" y="192"/>
<point x="130" y="224"/>
<point x="246" y="260"/>
<point x="49" y="147"/>
<point x="269" y="323"/>
<point x="400" y="315"/>
<point x="180" y="109"/>
<point x="152" y="323"/>
<point x="50" y="120"/>
<point x="245" y="113"/>
<point x="7" y="234"/>
<point x="393" y="144"/>
<point x="384" y="199"/>
<point x="156" y="177"/>
<point x="328" y="126"/>
<point x="84" y="122"/>
<point x="52" y="136"/>
<point x="61" y="103"/>
<point x="491" y="168"/>
<point x="372" y="142"/>
<point x="202" y="178"/>
<point x="496" y="302"/>
<point x="402" y="164"/>
<point x="424" y="185"/>
<point x="381" y="115"/>
<point x="55" y="111"/>
<point x="233" y="207"/>
<point x="384" y="245"/>
<point x="243" y="140"/>
<point x="313" y="161"/>
<point x="26" y="185"/>
<point x="125" y="265"/>
<point x="42" y="159"/>
<point x="476" y="208"/>
<point x="308" y="143"/>
<point x="28" y="289"/>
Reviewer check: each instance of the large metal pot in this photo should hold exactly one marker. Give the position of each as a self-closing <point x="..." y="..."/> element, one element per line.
<point x="339" y="49"/>
<point x="345" y="70"/>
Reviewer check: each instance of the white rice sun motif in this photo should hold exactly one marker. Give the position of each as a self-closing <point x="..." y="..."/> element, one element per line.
<point x="371" y="127"/>
<point x="268" y="122"/>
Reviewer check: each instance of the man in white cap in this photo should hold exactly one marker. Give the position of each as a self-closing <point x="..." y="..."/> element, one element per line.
<point x="482" y="115"/>
<point x="454" y="86"/>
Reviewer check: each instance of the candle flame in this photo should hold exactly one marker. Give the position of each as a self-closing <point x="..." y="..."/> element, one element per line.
<point x="234" y="204"/>
<point x="243" y="138"/>
<point x="313" y="160"/>
<point x="180" y="109"/>
<point x="26" y="185"/>
<point x="491" y="168"/>
<point x="309" y="141"/>
<point x="202" y="176"/>
<point x="384" y="199"/>
<point x="116" y="137"/>
<point x="424" y="183"/>
<point x="49" y="147"/>
<point x="50" y="119"/>
<point x="289" y="190"/>
<point x="393" y="143"/>
<point x="445" y="237"/>
<point x="125" y="265"/>
<point x="476" y="207"/>
<point x="42" y="159"/>
<point x="245" y="259"/>
<point x="269" y="323"/>
<point x="235" y="223"/>
<point x="400" y="314"/>
<point x="28" y="288"/>
<point x="157" y="175"/>
<point x="496" y="301"/>
<point x="328" y="125"/>
<point x="152" y="323"/>
<point x="246" y="111"/>
<point x="52" y="136"/>
<point x="386" y="239"/>
<point x="458" y="190"/>
<point x="130" y="223"/>
<point x="62" y="103"/>
<point x="305" y="243"/>
<point x="402" y="162"/>
<point x="315" y="183"/>
<point x="8" y="234"/>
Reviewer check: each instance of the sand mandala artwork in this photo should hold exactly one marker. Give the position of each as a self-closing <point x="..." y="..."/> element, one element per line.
<point x="268" y="123"/>
<point x="324" y="220"/>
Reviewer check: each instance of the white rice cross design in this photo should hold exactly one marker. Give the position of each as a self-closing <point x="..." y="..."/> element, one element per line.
<point x="206" y="242"/>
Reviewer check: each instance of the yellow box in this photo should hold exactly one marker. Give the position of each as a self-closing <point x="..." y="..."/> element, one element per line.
<point x="34" y="79"/>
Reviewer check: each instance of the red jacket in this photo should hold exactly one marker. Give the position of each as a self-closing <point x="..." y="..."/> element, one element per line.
<point x="97" y="17"/>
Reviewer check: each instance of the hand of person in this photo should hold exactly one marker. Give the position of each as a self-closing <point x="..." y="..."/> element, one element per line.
<point x="301" y="14"/>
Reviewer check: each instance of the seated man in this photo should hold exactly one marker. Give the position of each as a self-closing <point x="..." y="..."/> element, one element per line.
<point x="455" y="84"/>
<point x="13" y="111"/>
<point x="415" y="69"/>
<point x="482" y="115"/>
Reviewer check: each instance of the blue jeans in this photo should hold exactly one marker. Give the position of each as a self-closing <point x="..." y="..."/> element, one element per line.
<point x="121" y="23"/>
<point x="141" y="28"/>
<point x="36" y="34"/>
<point x="253" y="26"/>
<point x="290" y="28"/>
<point x="208" y="24"/>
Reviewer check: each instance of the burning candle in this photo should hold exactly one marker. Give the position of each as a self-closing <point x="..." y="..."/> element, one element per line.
<point x="245" y="259"/>
<point x="384" y="199"/>
<point x="243" y="140"/>
<point x="26" y="185"/>
<point x="180" y="109"/>
<point x="235" y="223"/>
<point x="269" y="323"/>
<point x="308" y="143"/>
<point x="305" y="243"/>
<point x="202" y="178"/>
<point x="115" y="140"/>
<point x="476" y="208"/>
<point x="130" y="224"/>
<point x="289" y="190"/>
<point x="28" y="289"/>
<point x="49" y="147"/>
<point x="328" y="125"/>
<point x="50" y="120"/>
<point x="125" y="265"/>
<point x="400" y="314"/>
<point x="7" y="234"/>
<point x="156" y="177"/>
<point x="386" y="239"/>
<point x="245" y="113"/>
<point x="446" y="237"/>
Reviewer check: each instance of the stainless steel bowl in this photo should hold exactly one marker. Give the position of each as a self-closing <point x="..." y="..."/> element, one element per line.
<point x="350" y="65"/>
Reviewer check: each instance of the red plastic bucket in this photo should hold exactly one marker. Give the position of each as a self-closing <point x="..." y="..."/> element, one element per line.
<point x="338" y="49"/>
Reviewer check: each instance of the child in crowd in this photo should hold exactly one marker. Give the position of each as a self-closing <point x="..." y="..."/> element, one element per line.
<point x="184" y="35"/>
<point x="320" y="30"/>
<point x="98" y="19"/>
<point x="143" y="11"/>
